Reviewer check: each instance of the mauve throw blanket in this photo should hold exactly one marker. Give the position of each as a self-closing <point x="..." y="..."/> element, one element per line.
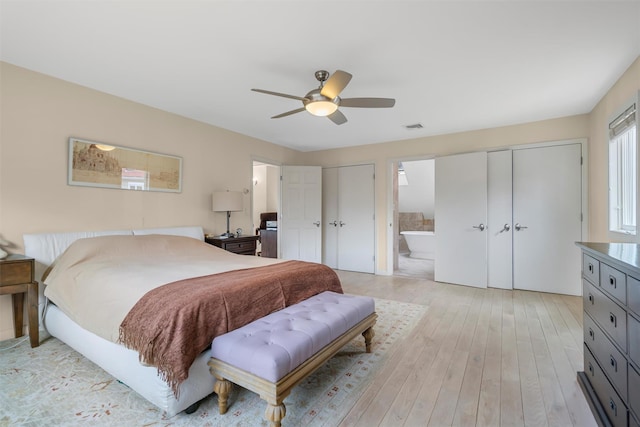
<point x="171" y="325"/>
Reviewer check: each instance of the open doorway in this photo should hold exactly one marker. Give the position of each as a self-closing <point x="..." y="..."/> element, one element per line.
<point x="266" y="203"/>
<point x="415" y="204"/>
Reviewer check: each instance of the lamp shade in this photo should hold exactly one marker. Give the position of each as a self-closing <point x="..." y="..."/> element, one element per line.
<point x="226" y="201"/>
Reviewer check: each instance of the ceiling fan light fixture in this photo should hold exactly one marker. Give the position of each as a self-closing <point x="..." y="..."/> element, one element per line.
<point x="325" y="100"/>
<point x="321" y="108"/>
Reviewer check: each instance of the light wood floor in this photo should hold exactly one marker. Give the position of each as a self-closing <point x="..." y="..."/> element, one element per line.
<point x="485" y="357"/>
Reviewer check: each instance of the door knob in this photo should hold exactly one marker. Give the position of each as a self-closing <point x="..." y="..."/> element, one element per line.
<point x="334" y="223"/>
<point x="480" y="227"/>
<point x="342" y="223"/>
<point x="506" y="227"/>
<point x="317" y="223"/>
<point x="519" y="227"/>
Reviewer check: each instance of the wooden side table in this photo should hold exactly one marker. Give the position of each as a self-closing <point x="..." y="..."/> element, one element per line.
<point x="16" y="279"/>
<point x="244" y="245"/>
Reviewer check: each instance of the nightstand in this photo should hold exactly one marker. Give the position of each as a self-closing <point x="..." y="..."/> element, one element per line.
<point x="244" y="245"/>
<point x="16" y="279"/>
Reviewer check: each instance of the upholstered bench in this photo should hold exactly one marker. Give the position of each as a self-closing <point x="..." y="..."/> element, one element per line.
<point x="272" y="355"/>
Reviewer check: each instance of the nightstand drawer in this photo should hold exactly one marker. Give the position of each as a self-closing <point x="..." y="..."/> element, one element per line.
<point x="15" y="273"/>
<point x="240" y="246"/>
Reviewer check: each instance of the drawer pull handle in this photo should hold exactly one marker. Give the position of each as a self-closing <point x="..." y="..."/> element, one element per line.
<point x="612" y="281"/>
<point x="614" y="363"/>
<point x="591" y="368"/>
<point x="613" y="407"/>
<point x="590" y="268"/>
<point x="592" y="334"/>
<point x="591" y="299"/>
<point x="612" y="319"/>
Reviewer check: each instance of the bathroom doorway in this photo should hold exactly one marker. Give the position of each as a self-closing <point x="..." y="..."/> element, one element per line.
<point x="415" y="205"/>
<point x="265" y="204"/>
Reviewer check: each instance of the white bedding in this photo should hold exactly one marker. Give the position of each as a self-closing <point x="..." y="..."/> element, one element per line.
<point x="119" y="361"/>
<point x="97" y="280"/>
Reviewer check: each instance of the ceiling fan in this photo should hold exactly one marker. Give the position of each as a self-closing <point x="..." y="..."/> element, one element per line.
<point x="324" y="101"/>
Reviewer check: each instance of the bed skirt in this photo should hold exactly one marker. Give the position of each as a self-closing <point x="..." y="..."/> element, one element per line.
<point x="123" y="364"/>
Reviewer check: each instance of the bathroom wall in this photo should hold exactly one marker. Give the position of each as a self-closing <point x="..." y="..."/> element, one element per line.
<point x="418" y="196"/>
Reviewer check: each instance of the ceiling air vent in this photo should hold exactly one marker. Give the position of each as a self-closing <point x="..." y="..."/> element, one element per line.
<point x="414" y="126"/>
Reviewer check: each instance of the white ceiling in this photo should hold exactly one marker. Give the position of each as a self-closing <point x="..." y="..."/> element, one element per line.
<point x="451" y="66"/>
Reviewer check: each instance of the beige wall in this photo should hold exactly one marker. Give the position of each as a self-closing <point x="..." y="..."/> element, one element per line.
<point x="625" y="88"/>
<point x="40" y="113"/>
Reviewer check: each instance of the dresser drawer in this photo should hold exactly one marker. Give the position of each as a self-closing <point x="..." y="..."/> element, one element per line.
<point x="634" y="339"/>
<point x="16" y="273"/>
<point x="613" y="405"/>
<point x="611" y="318"/>
<point x="610" y="359"/>
<point x="614" y="282"/>
<point x="634" y="391"/>
<point x="591" y="269"/>
<point x="633" y="294"/>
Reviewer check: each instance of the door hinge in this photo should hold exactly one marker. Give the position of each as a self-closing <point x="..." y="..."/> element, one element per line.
<point x="581" y="160"/>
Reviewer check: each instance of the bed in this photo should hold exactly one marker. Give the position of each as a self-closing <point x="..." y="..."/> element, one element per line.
<point x="92" y="320"/>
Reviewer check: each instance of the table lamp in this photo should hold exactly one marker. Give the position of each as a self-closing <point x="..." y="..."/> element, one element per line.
<point x="226" y="201"/>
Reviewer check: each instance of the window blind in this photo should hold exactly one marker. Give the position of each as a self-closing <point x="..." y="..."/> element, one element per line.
<point x="623" y="122"/>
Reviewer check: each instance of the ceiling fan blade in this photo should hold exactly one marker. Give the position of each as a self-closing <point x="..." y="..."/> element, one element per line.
<point x="368" y="102"/>
<point x="337" y="117"/>
<point x="284" y="95"/>
<point x="336" y="83"/>
<point x="288" y="113"/>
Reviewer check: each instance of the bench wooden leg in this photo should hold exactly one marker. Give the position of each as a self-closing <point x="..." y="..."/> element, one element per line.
<point x="368" y="336"/>
<point x="222" y="388"/>
<point x="275" y="414"/>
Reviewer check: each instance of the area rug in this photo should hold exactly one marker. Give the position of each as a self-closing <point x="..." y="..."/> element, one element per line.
<point x="56" y="386"/>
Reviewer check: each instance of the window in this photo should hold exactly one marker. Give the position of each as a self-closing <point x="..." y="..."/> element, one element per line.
<point x="623" y="174"/>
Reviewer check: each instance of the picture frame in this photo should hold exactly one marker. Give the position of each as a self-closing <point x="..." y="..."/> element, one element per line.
<point x="96" y="164"/>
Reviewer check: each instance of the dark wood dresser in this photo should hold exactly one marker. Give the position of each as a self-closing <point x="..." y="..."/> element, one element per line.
<point x="611" y="322"/>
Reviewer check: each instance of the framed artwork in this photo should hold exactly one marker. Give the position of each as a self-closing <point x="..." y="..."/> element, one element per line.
<point x="95" y="164"/>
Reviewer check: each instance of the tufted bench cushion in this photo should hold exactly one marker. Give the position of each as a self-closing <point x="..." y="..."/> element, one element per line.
<point x="275" y="345"/>
<point x="269" y="356"/>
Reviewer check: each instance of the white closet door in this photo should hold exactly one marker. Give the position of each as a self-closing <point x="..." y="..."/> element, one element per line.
<point x="500" y="212"/>
<point x="330" y="217"/>
<point x="547" y="192"/>
<point x="356" y="221"/>
<point x="461" y="219"/>
<point x="300" y="225"/>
